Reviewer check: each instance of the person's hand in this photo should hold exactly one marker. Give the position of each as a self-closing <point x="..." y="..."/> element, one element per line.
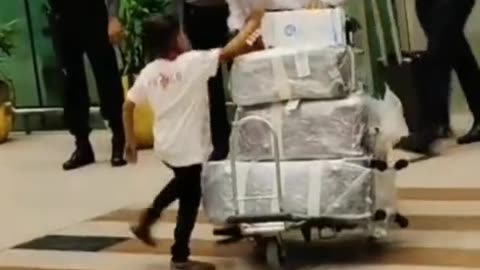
<point x="115" y="31"/>
<point x="253" y="37"/>
<point x="131" y="152"/>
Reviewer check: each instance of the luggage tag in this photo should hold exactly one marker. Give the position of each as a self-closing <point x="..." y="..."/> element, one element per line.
<point x="302" y="64"/>
<point x="292" y="105"/>
<point x="281" y="79"/>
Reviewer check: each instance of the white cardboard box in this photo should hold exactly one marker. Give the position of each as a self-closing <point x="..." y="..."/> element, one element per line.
<point x="306" y="27"/>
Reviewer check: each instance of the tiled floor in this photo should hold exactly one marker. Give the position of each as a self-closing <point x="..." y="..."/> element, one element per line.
<point x="82" y="217"/>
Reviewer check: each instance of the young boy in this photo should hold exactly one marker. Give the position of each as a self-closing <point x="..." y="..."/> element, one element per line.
<point x="175" y="86"/>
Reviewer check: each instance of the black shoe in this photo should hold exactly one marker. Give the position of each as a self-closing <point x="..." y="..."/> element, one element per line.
<point x="445" y="132"/>
<point x="118" y="153"/>
<point x="143" y="229"/>
<point x="143" y="234"/>
<point x="417" y="144"/>
<point x="472" y="136"/>
<point x="82" y="156"/>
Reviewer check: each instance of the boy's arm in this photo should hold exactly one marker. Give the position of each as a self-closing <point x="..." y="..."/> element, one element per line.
<point x="128" y="123"/>
<point x="239" y="44"/>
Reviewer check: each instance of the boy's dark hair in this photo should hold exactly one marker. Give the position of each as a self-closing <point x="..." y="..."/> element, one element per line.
<point x="160" y="34"/>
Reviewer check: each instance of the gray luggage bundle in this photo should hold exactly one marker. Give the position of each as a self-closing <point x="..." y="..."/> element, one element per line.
<point x="304" y="98"/>
<point x="333" y="189"/>
<point x="312" y="130"/>
<point x="281" y="74"/>
<point x="309" y="151"/>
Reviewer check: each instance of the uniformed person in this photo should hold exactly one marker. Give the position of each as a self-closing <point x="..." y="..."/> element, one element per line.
<point x="443" y="22"/>
<point x="90" y="27"/>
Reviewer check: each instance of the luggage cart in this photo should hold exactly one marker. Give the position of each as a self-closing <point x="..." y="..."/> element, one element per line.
<point x="267" y="230"/>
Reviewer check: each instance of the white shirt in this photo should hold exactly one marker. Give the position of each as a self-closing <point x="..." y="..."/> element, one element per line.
<point x="240" y="9"/>
<point x="177" y="92"/>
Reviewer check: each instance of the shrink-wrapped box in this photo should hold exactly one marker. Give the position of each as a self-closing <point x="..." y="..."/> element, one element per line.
<point x="313" y="130"/>
<point x="334" y="189"/>
<point x="292" y="73"/>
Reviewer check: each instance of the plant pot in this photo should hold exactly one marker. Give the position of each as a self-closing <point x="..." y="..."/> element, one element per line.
<point x="143" y="123"/>
<point x="6" y="111"/>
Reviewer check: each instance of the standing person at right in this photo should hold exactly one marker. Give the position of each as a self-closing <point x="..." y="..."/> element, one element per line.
<point x="448" y="49"/>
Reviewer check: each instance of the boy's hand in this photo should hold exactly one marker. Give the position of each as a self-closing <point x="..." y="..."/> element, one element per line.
<point x="131" y="152"/>
<point x="253" y="37"/>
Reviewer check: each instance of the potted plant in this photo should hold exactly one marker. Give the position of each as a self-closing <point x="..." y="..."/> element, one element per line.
<point x="6" y="85"/>
<point x="132" y="15"/>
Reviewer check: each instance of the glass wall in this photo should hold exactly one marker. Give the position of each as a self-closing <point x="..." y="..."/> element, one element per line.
<point x="34" y="67"/>
<point x="20" y="68"/>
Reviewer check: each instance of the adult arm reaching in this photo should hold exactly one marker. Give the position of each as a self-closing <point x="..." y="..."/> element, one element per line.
<point x="242" y="42"/>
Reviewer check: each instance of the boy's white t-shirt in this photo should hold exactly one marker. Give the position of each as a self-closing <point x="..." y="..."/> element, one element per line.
<point x="177" y="92"/>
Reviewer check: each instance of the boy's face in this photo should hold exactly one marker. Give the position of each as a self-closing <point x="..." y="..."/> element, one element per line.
<point x="183" y="42"/>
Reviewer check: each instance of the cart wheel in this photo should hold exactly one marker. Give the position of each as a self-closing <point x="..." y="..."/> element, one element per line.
<point x="372" y="240"/>
<point x="402" y="221"/>
<point x="307" y="234"/>
<point x="275" y="254"/>
<point x="260" y="247"/>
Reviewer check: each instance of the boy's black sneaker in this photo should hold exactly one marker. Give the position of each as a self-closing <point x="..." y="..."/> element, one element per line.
<point x="143" y="231"/>
<point x="144" y="234"/>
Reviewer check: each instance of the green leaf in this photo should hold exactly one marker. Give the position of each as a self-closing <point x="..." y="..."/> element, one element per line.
<point x="7" y="32"/>
<point x="133" y="13"/>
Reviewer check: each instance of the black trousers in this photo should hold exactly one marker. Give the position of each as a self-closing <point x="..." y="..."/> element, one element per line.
<point x="82" y="29"/>
<point x="186" y="187"/>
<point x="448" y="49"/>
<point x="206" y="27"/>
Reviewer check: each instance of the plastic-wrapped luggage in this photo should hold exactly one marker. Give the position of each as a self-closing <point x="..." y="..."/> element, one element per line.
<point x="334" y="189"/>
<point x="313" y="130"/>
<point x="284" y="74"/>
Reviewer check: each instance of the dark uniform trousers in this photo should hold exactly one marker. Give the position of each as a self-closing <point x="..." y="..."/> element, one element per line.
<point x="82" y="29"/>
<point x="206" y="27"/>
<point x="443" y="22"/>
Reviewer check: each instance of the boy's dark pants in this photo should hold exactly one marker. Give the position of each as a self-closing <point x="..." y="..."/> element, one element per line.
<point x="186" y="187"/>
<point x="206" y="27"/>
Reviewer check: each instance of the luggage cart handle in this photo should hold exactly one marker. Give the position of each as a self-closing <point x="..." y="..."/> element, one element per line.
<point x="236" y="127"/>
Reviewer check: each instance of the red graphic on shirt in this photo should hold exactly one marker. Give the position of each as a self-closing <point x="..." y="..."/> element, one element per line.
<point x="178" y="76"/>
<point x="164" y="80"/>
